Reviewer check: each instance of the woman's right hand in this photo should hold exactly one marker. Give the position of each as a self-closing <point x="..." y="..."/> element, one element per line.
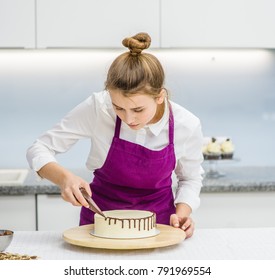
<point x="70" y="190"/>
<point x="68" y="182"/>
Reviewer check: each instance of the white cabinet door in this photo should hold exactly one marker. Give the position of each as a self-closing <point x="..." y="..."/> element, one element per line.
<point x="236" y="210"/>
<point x="93" y="23"/>
<point x="53" y="213"/>
<point x="17" y="212"/>
<point x="17" y="23"/>
<point x="218" y="23"/>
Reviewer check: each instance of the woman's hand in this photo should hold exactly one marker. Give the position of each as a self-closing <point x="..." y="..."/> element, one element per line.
<point x="70" y="190"/>
<point x="69" y="183"/>
<point x="185" y="223"/>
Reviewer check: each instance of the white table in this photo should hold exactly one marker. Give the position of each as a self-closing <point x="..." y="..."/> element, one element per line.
<point x="206" y="244"/>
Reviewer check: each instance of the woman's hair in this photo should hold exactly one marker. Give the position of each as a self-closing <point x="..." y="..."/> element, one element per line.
<point x="134" y="71"/>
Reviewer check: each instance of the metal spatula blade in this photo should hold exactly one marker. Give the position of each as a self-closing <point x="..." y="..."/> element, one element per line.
<point x="92" y="205"/>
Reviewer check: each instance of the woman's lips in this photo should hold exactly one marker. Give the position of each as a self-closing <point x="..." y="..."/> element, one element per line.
<point x="133" y="125"/>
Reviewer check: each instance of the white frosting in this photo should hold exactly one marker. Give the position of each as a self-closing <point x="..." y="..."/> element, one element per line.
<point x="214" y="148"/>
<point x="227" y="146"/>
<point x="125" y="224"/>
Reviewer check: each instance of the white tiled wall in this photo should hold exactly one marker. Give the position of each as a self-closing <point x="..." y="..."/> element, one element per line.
<point x="232" y="91"/>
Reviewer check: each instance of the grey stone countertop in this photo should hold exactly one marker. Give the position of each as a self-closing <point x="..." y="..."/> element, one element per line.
<point x="236" y="179"/>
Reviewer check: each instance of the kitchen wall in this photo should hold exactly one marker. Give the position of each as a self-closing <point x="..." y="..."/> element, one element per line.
<point x="232" y="91"/>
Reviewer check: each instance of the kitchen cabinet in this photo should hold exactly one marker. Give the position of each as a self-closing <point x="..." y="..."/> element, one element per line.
<point x="103" y="24"/>
<point x="236" y="210"/>
<point x="217" y="23"/>
<point x="53" y="213"/>
<point x="17" y="212"/>
<point x="93" y="23"/>
<point x="17" y="23"/>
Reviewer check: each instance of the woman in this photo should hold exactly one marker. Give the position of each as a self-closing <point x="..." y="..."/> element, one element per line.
<point x="138" y="138"/>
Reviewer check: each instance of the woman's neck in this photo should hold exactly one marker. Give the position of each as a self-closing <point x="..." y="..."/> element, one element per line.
<point x="159" y="113"/>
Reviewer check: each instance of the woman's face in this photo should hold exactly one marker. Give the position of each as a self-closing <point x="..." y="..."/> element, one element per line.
<point x="137" y="110"/>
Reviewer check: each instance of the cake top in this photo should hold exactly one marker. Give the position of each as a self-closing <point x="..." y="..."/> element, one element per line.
<point x="128" y="214"/>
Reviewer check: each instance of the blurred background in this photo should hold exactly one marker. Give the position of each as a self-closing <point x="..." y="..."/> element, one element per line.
<point x="231" y="91"/>
<point x="54" y="54"/>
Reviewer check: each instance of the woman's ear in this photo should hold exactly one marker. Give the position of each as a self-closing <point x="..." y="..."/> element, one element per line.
<point x="161" y="96"/>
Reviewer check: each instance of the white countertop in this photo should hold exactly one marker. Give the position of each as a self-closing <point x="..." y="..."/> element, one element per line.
<point x="206" y="244"/>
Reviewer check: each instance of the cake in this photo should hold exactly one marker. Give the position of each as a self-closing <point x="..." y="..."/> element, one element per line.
<point x="227" y="149"/>
<point x="125" y="224"/>
<point x="212" y="150"/>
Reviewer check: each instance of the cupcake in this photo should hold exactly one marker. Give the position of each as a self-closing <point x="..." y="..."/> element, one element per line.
<point x="227" y="149"/>
<point x="204" y="151"/>
<point x="212" y="150"/>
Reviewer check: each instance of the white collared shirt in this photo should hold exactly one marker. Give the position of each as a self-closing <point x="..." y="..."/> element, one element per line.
<point x="95" y="118"/>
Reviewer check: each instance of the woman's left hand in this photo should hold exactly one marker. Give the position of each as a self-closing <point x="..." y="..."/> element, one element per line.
<point x="185" y="223"/>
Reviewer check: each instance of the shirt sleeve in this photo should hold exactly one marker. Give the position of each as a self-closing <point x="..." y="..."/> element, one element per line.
<point x="189" y="171"/>
<point x="76" y="125"/>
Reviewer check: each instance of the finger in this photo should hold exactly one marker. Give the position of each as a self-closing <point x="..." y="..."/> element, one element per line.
<point x="69" y="197"/>
<point x="87" y="187"/>
<point x="84" y="185"/>
<point x="80" y="198"/>
<point x="189" y="232"/>
<point x="186" y="223"/>
<point x="174" y="220"/>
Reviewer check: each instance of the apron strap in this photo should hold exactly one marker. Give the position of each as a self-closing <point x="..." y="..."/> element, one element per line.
<point x="171" y="125"/>
<point x="117" y="128"/>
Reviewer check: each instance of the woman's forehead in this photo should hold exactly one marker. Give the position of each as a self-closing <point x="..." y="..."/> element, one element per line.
<point x="132" y="101"/>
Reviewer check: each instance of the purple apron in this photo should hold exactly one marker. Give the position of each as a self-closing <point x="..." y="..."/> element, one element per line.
<point x="135" y="177"/>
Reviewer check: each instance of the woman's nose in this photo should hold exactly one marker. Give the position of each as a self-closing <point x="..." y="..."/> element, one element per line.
<point x="129" y="118"/>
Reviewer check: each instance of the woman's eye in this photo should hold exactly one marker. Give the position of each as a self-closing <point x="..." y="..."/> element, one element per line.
<point x="118" y="108"/>
<point x="138" y="111"/>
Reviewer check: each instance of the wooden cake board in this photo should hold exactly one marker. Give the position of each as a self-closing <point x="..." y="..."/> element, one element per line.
<point x="81" y="236"/>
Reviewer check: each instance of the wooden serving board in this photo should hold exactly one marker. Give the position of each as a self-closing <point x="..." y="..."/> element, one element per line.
<point x="81" y="236"/>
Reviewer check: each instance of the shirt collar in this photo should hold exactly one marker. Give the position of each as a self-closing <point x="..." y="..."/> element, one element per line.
<point x="157" y="127"/>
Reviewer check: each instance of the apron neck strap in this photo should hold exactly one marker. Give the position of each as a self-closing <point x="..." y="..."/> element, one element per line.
<point x="171" y="124"/>
<point x="117" y="128"/>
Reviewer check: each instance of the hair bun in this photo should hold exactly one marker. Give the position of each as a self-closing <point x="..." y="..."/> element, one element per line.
<point x="137" y="43"/>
